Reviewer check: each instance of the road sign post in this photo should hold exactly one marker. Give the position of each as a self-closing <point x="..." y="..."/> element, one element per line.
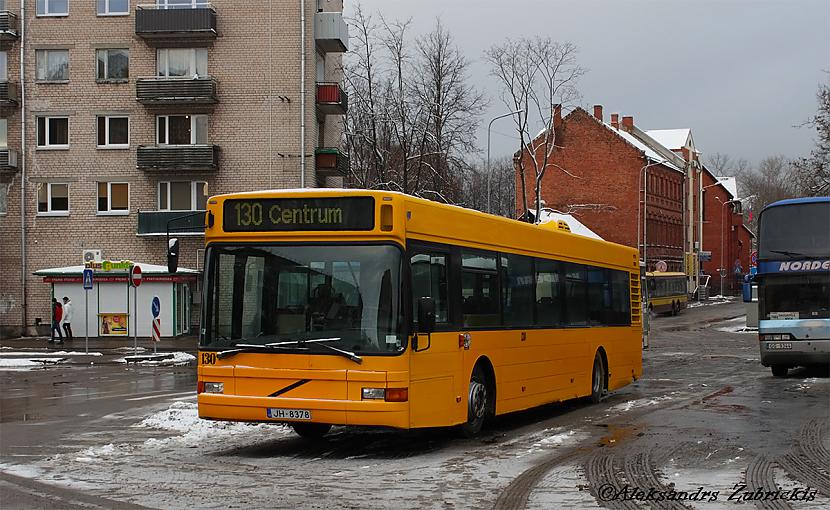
<point x="87" y="287"/>
<point x="155" y="307"/>
<point x="135" y="281"/>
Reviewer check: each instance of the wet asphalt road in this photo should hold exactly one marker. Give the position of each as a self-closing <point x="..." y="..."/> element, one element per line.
<point x="705" y="417"/>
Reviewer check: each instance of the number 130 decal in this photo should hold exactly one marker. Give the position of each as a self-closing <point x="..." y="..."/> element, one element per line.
<point x="208" y="358"/>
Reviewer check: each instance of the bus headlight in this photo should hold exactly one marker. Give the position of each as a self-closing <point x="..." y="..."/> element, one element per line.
<point x="373" y="393"/>
<point x="387" y="394"/>
<point x="214" y="387"/>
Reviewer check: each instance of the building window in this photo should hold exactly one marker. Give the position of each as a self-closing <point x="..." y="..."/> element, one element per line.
<point x="4" y="199"/>
<point x="181" y="62"/>
<point x="4" y="133"/>
<point x="4" y="65"/>
<point x="113" y="132"/>
<point x="52" y="7"/>
<point x="113" y="198"/>
<point x="53" y="198"/>
<point x="113" y="64"/>
<point x="53" y="132"/>
<point x="182" y="129"/>
<point x="52" y="65"/>
<point x="183" y="196"/>
<point x="113" y="7"/>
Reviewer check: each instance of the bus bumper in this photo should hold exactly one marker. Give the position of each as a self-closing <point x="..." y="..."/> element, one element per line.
<point x="795" y="352"/>
<point x="334" y="412"/>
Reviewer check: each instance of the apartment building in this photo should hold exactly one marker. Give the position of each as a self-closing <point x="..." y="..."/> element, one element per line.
<point x="118" y="116"/>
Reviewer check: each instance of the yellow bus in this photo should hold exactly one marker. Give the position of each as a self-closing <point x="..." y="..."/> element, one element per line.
<point x="333" y="307"/>
<point x="666" y="292"/>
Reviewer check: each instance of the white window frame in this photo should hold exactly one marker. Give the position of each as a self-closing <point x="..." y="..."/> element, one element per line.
<point x="47" y="14"/>
<point x="192" y="129"/>
<point x="193" y="186"/>
<point x="49" y="211"/>
<point x="48" y="145"/>
<point x="68" y="64"/>
<point x="107" y="11"/>
<point x="107" y="144"/>
<point x="106" y="66"/>
<point x="109" y="211"/>
<point x="163" y="55"/>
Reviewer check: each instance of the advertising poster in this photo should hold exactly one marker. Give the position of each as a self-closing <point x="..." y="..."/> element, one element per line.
<point x="112" y="324"/>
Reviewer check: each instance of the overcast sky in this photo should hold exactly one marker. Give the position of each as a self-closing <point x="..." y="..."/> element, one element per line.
<point x="740" y="73"/>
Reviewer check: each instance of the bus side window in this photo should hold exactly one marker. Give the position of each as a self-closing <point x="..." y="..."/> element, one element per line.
<point x="429" y="279"/>
<point x="576" y="293"/>
<point x="548" y="297"/>
<point x="479" y="290"/>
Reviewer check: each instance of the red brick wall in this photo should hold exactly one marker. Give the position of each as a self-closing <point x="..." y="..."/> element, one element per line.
<point x="720" y="220"/>
<point x="602" y="190"/>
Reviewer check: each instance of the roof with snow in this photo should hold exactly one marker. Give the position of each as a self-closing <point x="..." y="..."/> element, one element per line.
<point x="153" y="269"/>
<point x="731" y="185"/>
<point x="673" y="139"/>
<point x="578" y="228"/>
<point x="636" y="142"/>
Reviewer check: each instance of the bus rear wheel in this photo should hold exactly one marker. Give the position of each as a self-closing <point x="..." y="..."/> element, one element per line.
<point x="478" y="402"/>
<point x="311" y="430"/>
<point x="598" y="379"/>
<point x="780" y="370"/>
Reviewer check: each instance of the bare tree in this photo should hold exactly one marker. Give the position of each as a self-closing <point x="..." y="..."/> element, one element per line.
<point x="772" y="180"/>
<point x="502" y="187"/>
<point x="813" y="171"/>
<point x="535" y="74"/>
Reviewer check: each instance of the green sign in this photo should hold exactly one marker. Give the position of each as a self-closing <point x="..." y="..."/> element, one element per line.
<point x="290" y="214"/>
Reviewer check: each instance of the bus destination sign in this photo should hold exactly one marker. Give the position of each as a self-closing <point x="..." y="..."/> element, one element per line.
<point x="289" y="214"/>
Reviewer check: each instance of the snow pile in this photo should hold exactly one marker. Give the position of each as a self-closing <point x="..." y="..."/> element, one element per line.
<point x="178" y="359"/>
<point x="13" y="363"/>
<point x="714" y="300"/>
<point x="560" y="437"/>
<point x="643" y="402"/>
<point x="183" y="417"/>
<point x="736" y="325"/>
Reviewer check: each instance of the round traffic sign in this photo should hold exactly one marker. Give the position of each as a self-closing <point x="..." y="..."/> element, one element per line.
<point x="661" y="266"/>
<point x="156" y="307"/>
<point x="135" y="276"/>
<point x="753" y="258"/>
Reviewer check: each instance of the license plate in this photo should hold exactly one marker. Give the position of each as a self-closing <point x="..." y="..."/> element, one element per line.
<point x="779" y="346"/>
<point x="289" y="414"/>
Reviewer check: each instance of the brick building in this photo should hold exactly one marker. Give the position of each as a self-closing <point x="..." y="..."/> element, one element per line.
<point x="121" y="116"/>
<point x="615" y="179"/>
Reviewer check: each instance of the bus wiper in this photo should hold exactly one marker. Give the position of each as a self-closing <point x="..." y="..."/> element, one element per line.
<point x="238" y="348"/>
<point x="789" y="253"/>
<point x="319" y="341"/>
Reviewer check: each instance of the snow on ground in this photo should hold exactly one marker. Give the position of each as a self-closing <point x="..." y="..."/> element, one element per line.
<point x="736" y="325"/>
<point x="23" y="354"/>
<point x="642" y="402"/>
<point x="553" y="438"/>
<point x="713" y="300"/>
<point x="18" y="363"/>
<point x="129" y="349"/>
<point x="179" y="358"/>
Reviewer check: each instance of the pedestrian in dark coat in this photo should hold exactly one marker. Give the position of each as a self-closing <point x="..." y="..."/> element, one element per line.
<point x="57" y="315"/>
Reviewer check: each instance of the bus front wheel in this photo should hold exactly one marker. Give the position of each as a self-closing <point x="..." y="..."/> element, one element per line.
<point x="311" y="430"/>
<point x="478" y="402"/>
<point x="780" y="370"/>
<point x="598" y="379"/>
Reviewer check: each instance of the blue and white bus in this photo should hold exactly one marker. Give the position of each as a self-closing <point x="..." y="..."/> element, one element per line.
<point x="794" y="284"/>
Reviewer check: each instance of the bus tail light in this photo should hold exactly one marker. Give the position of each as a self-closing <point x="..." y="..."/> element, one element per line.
<point x="397" y="394"/>
<point x="387" y="394"/>
<point x="210" y="387"/>
<point x="386" y="217"/>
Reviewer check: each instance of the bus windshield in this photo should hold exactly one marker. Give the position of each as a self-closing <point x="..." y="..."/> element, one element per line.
<point x="795" y="231"/>
<point x="282" y="293"/>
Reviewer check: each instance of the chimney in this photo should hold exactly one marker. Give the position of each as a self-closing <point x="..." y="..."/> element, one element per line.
<point x="628" y="122"/>
<point x="598" y="112"/>
<point x="557" y="115"/>
<point x="615" y="120"/>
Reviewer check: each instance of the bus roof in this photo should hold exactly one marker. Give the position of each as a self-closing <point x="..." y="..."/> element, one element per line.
<point x="793" y="201"/>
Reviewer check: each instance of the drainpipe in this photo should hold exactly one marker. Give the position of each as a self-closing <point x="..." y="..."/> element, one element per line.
<point x="302" y="93"/>
<point x="22" y="163"/>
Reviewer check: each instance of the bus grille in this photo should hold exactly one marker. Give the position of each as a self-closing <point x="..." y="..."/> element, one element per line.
<point x="636" y="317"/>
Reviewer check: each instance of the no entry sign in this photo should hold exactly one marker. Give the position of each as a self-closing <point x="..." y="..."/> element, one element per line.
<point x="135" y="276"/>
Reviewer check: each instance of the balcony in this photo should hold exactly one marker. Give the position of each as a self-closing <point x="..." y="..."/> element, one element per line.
<point x="8" y="26"/>
<point x="331" y="99"/>
<point x="152" y="223"/>
<point x="329" y="161"/>
<point x="9" y="94"/>
<point x="178" y="158"/>
<point x="163" y="91"/>
<point x="159" y="25"/>
<point x="8" y="160"/>
<point x="331" y="32"/>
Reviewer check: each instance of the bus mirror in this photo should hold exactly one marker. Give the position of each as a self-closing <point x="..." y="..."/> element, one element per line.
<point x="426" y="315"/>
<point x="172" y="255"/>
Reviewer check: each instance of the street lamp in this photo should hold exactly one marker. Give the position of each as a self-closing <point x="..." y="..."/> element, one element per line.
<point x="488" y="153"/>
<point x="641" y="225"/>
<point x="722" y="270"/>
